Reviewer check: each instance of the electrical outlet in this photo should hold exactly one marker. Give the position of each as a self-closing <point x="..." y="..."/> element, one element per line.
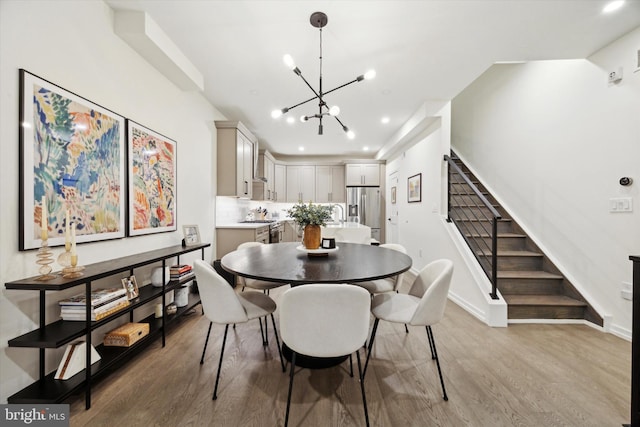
<point x="627" y="291"/>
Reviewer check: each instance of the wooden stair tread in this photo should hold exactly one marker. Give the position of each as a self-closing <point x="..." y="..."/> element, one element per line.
<point x="533" y="274"/>
<point x="505" y="235"/>
<point x="546" y="300"/>
<point x="481" y="220"/>
<point x="512" y="253"/>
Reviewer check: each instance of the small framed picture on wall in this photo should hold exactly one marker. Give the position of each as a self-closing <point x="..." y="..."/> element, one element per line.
<point x="414" y="190"/>
<point x="393" y="195"/>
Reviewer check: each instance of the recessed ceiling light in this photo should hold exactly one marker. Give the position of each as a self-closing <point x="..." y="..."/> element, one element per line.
<point x="300" y="148"/>
<point x="254" y="92"/>
<point x="290" y="120"/>
<point x="384" y="120"/>
<point x="365" y="148"/>
<point x="612" y="6"/>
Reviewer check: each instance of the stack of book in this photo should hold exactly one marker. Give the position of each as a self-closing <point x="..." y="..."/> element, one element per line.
<point x="104" y="302"/>
<point x="181" y="272"/>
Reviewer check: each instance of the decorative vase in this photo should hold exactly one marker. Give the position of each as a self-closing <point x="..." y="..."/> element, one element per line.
<point x="311" y="238"/>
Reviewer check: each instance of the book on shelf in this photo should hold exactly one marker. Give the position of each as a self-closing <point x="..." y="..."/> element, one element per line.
<point x="180" y="268"/>
<point x="99" y="296"/>
<point x="81" y="315"/>
<point x="95" y="309"/>
<point x="183" y="276"/>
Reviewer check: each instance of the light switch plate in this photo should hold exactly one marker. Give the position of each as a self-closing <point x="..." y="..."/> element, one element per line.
<point x="621" y="204"/>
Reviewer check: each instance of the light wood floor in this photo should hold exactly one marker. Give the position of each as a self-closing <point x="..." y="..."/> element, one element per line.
<point x="523" y="375"/>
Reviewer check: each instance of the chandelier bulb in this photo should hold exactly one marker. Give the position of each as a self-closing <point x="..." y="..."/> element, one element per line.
<point x="289" y="62"/>
<point x="334" y="111"/>
<point x="304" y="118"/>
<point x="276" y="114"/>
<point x="350" y="134"/>
<point x="369" y="74"/>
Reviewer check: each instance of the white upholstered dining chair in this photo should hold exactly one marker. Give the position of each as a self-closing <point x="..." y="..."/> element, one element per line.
<point x="423" y="306"/>
<point x="389" y="284"/>
<point x="325" y="320"/>
<point x="222" y="305"/>
<point x="259" y="285"/>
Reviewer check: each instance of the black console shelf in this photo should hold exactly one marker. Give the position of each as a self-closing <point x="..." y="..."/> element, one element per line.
<point x="54" y="335"/>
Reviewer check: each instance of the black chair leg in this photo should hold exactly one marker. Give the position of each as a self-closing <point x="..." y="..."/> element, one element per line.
<point x="293" y="365"/>
<point x="430" y="337"/>
<point x="364" y="397"/>
<point x="433" y="340"/>
<point x="262" y="332"/>
<point x="406" y="329"/>
<point x="206" y="341"/>
<point x="351" y="364"/>
<point x="373" y="337"/>
<point x="224" y="341"/>
<point x="275" y="332"/>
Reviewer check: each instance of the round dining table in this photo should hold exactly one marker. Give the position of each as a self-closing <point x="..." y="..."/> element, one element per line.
<point x="292" y="264"/>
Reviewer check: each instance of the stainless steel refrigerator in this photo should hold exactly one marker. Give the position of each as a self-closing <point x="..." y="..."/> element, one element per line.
<point x="363" y="206"/>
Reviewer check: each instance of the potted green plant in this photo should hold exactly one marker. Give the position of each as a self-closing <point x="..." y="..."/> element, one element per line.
<point x="310" y="218"/>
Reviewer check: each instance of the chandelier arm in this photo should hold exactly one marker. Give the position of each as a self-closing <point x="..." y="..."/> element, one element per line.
<point x="341" y="124"/>
<point x="341" y="86"/>
<point x="301" y="103"/>
<point x="319" y="96"/>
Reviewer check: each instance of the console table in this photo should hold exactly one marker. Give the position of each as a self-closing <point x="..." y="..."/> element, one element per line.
<point x="54" y="335"/>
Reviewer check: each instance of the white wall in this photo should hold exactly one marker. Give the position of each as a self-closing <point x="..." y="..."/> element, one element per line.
<point x="72" y="44"/>
<point x="551" y="140"/>
<point x="422" y="227"/>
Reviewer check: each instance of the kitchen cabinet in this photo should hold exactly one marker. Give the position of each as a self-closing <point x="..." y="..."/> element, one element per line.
<point x="301" y="183"/>
<point x="229" y="237"/>
<point x="330" y="186"/>
<point x="290" y="233"/>
<point x="363" y="174"/>
<point x="235" y="159"/>
<point x="263" y="185"/>
<point x="58" y="333"/>
<point x="279" y="183"/>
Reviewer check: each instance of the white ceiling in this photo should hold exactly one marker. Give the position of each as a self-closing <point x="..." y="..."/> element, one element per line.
<point x="421" y="50"/>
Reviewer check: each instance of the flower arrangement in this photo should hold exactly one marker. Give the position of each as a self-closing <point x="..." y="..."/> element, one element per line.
<point x="310" y="214"/>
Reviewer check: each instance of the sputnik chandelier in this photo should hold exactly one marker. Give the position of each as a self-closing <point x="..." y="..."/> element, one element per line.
<point x="319" y="20"/>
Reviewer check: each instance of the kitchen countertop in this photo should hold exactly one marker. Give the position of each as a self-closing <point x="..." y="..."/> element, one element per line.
<point x="247" y="225"/>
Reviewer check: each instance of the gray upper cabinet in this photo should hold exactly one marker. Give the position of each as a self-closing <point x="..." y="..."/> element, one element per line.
<point x="330" y="184"/>
<point x="363" y="174"/>
<point x="301" y="183"/>
<point x="235" y="163"/>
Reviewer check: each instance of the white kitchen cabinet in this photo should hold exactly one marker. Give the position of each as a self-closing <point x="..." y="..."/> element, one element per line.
<point x="330" y="186"/>
<point x="301" y="183"/>
<point x="264" y="186"/>
<point x="279" y="183"/>
<point x="363" y="174"/>
<point x="235" y="161"/>
<point x="229" y="238"/>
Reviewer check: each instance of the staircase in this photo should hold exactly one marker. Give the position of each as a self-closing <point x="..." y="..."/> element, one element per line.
<point x="531" y="285"/>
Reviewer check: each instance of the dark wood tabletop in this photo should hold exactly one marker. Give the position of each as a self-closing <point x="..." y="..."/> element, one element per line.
<point x="282" y="262"/>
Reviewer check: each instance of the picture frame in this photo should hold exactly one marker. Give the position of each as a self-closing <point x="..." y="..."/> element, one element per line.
<point x="152" y="169"/>
<point x="130" y="285"/>
<point x="191" y="235"/>
<point x="393" y="195"/>
<point x="414" y="188"/>
<point x="72" y="158"/>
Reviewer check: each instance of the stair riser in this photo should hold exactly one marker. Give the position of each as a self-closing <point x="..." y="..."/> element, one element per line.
<point x="473" y="212"/>
<point x="512" y="263"/>
<point x="505" y="243"/>
<point x="480" y="227"/>
<point x="469" y="199"/>
<point x="530" y="286"/>
<point x="545" y="312"/>
<point x="464" y="188"/>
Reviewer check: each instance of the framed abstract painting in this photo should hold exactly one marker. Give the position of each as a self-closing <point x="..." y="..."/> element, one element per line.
<point x="152" y="181"/>
<point x="414" y="188"/>
<point x="72" y="166"/>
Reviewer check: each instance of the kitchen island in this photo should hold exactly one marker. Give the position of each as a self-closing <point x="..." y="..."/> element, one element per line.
<point x="350" y="232"/>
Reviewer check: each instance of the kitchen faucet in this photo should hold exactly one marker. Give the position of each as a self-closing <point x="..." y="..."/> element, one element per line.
<point x="341" y="211"/>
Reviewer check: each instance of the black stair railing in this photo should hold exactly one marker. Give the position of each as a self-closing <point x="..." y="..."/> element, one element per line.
<point x="476" y="219"/>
